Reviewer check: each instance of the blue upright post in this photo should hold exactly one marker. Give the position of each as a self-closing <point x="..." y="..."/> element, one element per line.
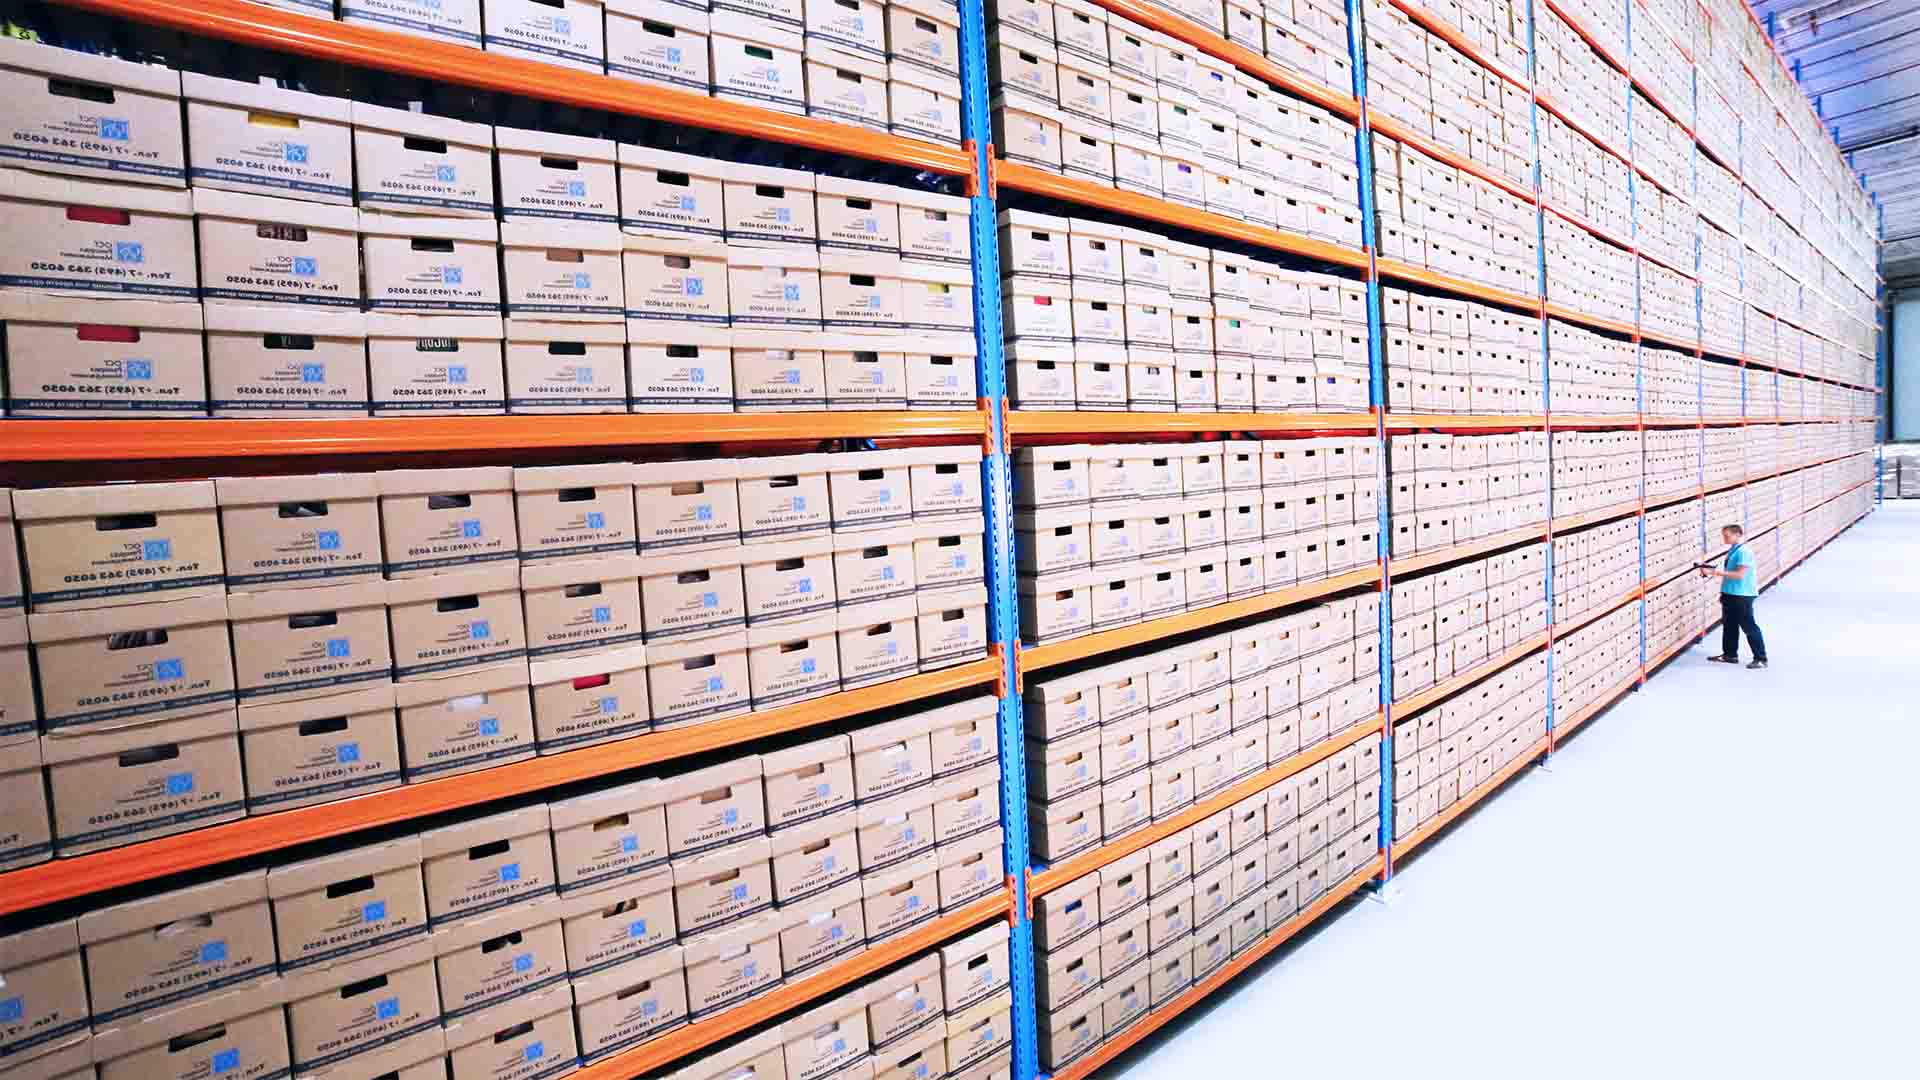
<point x="992" y="372"/>
<point x="1376" y="396"/>
<point x="1546" y="352"/>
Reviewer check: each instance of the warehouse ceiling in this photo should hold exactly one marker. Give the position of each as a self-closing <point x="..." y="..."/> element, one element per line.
<point x="1859" y="62"/>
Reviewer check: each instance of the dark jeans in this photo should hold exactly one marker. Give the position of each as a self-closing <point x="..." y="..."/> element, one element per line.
<point x="1736" y="614"/>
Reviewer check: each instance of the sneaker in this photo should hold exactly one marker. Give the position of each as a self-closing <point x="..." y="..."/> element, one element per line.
<point x="1723" y="659"/>
<point x="1757" y="664"/>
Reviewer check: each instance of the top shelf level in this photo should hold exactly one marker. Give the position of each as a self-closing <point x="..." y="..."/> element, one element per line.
<point x="405" y="54"/>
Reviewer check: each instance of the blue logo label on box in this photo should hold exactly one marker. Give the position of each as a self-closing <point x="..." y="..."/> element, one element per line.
<point x="156" y="550"/>
<point x="637" y="928"/>
<point x="750" y="971"/>
<point x="453" y="275"/>
<point x="213" y="952"/>
<point x="583" y="374"/>
<point x="799" y="503"/>
<point x="339" y="647"/>
<point x="583" y="281"/>
<point x="602" y="614"/>
<point x="226" y="1060"/>
<point x="783" y="215"/>
<point x="523" y="962"/>
<point x="305" y="266"/>
<point x="695" y="287"/>
<point x="479" y="630"/>
<point x="510" y="872"/>
<point x="823" y="790"/>
<point x="893" y="648"/>
<point x="387" y="1008"/>
<point x="489" y="725"/>
<point x="739" y="892"/>
<point x="829" y="863"/>
<point x="444" y="173"/>
<point x="698" y="374"/>
<point x="577" y="188"/>
<point x="140" y="370"/>
<point x="808" y="665"/>
<point x="688" y="203"/>
<point x="374" y="912"/>
<point x="716" y="683"/>
<point x="327" y="540"/>
<point x="960" y="562"/>
<point x="791" y="376"/>
<point x="313" y="373"/>
<point x="129" y="251"/>
<point x="708" y="600"/>
<point x="296" y="153"/>
<point x="170" y="669"/>
<point x="470" y="528"/>
<point x="115" y="129"/>
<point x="805" y="585"/>
<point x="673" y="56"/>
<point x="886" y="573"/>
<point x="562" y="26"/>
<point x="703" y="512"/>
<point x="790" y="292"/>
<point x="730" y="816"/>
<point x="456" y="374"/>
<point x="596" y="520"/>
<point x="609" y="705"/>
<point x="649" y="1007"/>
<point x="629" y="844"/>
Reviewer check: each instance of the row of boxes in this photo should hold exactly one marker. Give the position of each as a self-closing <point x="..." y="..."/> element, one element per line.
<point x="1442" y="754"/>
<point x="1593" y="660"/>
<point x="1593" y="470"/>
<point x="1669" y="382"/>
<point x="1588" y="274"/>
<point x="1459" y="356"/>
<point x="1671" y="461"/>
<point x="1188" y="903"/>
<point x="1449" y="621"/>
<point x="1679" y="610"/>
<point x="1434" y="215"/>
<point x="1676" y="538"/>
<point x="1579" y="80"/>
<point x="1591" y="374"/>
<point x="1450" y="489"/>
<point x="1419" y="79"/>
<point x="1594" y="567"/>
<point x="1134" y="741"/>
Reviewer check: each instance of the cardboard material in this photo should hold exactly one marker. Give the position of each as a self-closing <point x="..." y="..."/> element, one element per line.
<point x="660" y="42"/>
<point x="822" y="929"/>
<point x="508" y="954"/>
<point x="55" y="96"/>
<point x="261" y="139"/>
<point x="242" y="1031"/>
<point x="299" y="643"/>
<point x="764" y="205"/>
<point x="675" y="279"/>
<point x="101" y="670"/>
<point x="664" y="193"/>
<point x="547" y="175"/>
<point x="144" y="250"/>
<point x="901" y="897"/>
<point x="119" y="544"/>
<point x="336" y="1012"/>
<point x="630" y="1004"/>
<point x="812" y="858"/>
<point x="435" y="520"/>
<point x="474" y="719"/>
<point x="722" y="885"/>
<point x="731" y="965"/>
<point x="62" y="360"/>
<point x="779" y="370"/>
<point x="808" y="781"/>
<point x="363" y="901"/>
<point x="430" y="266"/>
<point x="436" y="365"/>
<point x="318" y="749"/>
<point x="264" y="250"/>
<point x="905" y="1002"/>
<point x="562" y="271"/>
<point x="826" y="1038"/>
<point x="756" y="62"/>
<point x="574" y="608"/>
<point x="686" y="505"/>
<point x="970" y="868"/>
<point x="524" y="1038"/>
<point x="27" y="837"/>
<point x="274" y="361"/>
<point x="691" y="594"/>
<point x="485" y="864"/>
<point x="573" y="512"/>
<point x="569" y="35"/>
<point x="150" y="954"/>
<point x="783" y="496"/>
<point x="43" y="970"/>
<point x="457" y="22"/>
<point x="697" y="679"/>
<point x="453" y="621"/>
<point x="565" y="367"/>
<point x="414" y="163"/>
<point x="608" y="927"/>
<point x="584" y="700"/>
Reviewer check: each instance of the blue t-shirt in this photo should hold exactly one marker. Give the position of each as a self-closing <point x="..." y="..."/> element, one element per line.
<point x="1737" y="558"/>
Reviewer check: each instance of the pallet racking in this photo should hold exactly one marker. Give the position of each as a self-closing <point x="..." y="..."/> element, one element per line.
<point x="41" y="449"/>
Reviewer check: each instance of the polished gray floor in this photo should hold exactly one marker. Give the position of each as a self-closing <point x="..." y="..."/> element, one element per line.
<point x="1715" y="878"/>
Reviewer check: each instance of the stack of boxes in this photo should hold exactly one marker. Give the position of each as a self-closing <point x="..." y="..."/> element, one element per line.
<point x="1106" y="536"/>
<point x="1720" y="389"/>
<point x="1459" y="356"/>
<point x="1080" y="91"/>
<point x="1664" y="226"/>
<point x="1667" y="304"/>
<point x="1722" y="459"/>
<point x="1104" y="318"/>
<point x="363" y="267"/>
<point x="1131" y="937"/>
<point x="1582" y="178"/>
<point x="1577" y="79"/>
<point x="1443" y="218"/>
<point x="1114" y="748"/>
<point x="402" y="626"/>
<point x="1422" y="81"/>
<point x="1675" y="535"/>
<point x="566" y="932"/>
<point x="1448" y="622"/>
<point x="1658" y="31"/>
<point x="1595" y="659"/>
<point x="1588" y="274"/>
<point x="1662" y="149"/>
<point x="1672" y="462"/>
<point x="1590" y="374"/>
<point x="1441" y="754"/>
<point x="1669" y="382"/>
<point x="1594" y="470"/>
<point x="1453" y="489"/>
<point x="1594" y="567"/>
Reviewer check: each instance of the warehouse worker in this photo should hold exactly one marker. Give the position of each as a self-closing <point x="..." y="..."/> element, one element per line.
<point x="1739" y="587"/>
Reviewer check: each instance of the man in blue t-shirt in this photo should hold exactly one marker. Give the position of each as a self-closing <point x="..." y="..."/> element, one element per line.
<point x="1739" y="587"/>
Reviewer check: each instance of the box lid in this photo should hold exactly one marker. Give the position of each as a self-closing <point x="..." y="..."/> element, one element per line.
<point x="834" y="823"/>
<point x="933" y="200"/>
<point x="861" y="189"/>
<point x="491" y="579"/>
<point x="257" y="490"/>
<point x="667" y="652"/>
<point x="282" y="713"/>
<point x="841" y="1003"/>
<point x="263" y="96"/>
<point x="601" y="897"/>
<point x="486" y="679"/>
<point x="462" y="835"/>
<point x="292" y="879"/>
<point x="937" y="273"/>
<point x="443" y="481"/>
<point x="700" y="781"/>
<point x="553" y="143"/>
<point x="779" y="633"/>
<point x="690" y="246"/>
<point x="885" y="881"/>
<point x="127" y="1035"/>
<point x="381" y="324"/>
<point x="560" y="477"/>
<point x="375" y="223"/>
<point x="153" y="913"/>
<point x="681" y="562"/>
<point x="605" y="567"/>
<point x="658" y="332"/>
<point x="561" y="235"/>
<point x="325" y="978"/>
<point x="423" y="125"/>
<point x="566" y="669"/>
<point x="544" y="330"/>
<point x="964" y="949"/>
<point x="40" y="59"/>
<point x="932" y="530"/>
<point x="600" y="805"/>
<point x="753" y="468"/>
<point x="282" y="319"/>
<point x="26" y="307"/>
<point x="516" y="1010"/>
<point x="758" y="175"/>
<point x="1029" y="219"/>
<point x="820" y="52"/>
<point x="491" y="925"/>
<point x="879" y="264"/>
<point x="938" y="10"/>
<point x="705" y="946"/>
<point x="663" y="473"/>
<point x="933" y="601"/>
<point x="49" y="627"/>
<point x="896" y="807"/>
<point x="278" y="602"/>
<point x="634" y="156"/>
<point x="32" y="504"/>
<point x="897" y="609"/>
<point x="796" y="257"/>
<point x="69" y="191"/>
<point x="241" y="206"/>
<point x="628" y="973"/>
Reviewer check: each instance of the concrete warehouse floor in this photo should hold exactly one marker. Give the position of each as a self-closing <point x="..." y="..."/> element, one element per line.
<point x="1716" y="878"/>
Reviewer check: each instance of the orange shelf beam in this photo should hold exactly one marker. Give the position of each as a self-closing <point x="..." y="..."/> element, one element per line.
<point x="1597" y="706"/>
<point x="1409" y="707"/>
<point x="1582" y="222"/>
<point x="1593" y="42"/>
<point x="1026" y="422"/>
<point x="701" y="1034"/>
<point x="1405" y="847"/>
<point x="1573" y="420"/>
<point x="1462" y="421"/>
<point x="1434" y="279"/>
<point x="405" y="54"/>
<point x="1595" y="517"/>
<point x="120" y="440"/>
<point x="1552" y="105"/>
<point x="1081" y="1068"/>
<point x="1426" y="560"/>
<point x="1181" y="29"/>
<point x="64" y="879"/>
<point x="1026" y="178"/>
<point x="1567" y="314"/>
<point x="1596" y="613"/>
<point x="1669" y="421"/>
<point x="1670" y="498"/>
<point x="1035" y="657"/>
<point x="1079" y="866"/>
